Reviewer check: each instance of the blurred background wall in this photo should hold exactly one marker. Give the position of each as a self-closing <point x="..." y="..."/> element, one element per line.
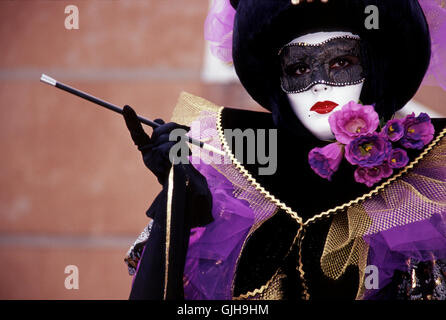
<point x="73" y="188"/>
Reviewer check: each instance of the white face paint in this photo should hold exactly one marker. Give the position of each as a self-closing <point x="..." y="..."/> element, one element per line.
<point x="303" y="102"/>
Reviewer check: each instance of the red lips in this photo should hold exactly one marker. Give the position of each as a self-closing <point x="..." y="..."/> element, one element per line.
<point x="324" y="107"/>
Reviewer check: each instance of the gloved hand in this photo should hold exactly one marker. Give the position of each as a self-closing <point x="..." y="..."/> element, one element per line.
<point x="154" y="149"/>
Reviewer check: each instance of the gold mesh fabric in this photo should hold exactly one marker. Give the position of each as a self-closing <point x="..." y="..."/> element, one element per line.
<point x="417" y="196"/>
<point x="414" y="196"/>
<point x="344" y="243"/>
<point x="202" y="115"/>
<point x="189" y="108"/>
<point x="272" y="290"/>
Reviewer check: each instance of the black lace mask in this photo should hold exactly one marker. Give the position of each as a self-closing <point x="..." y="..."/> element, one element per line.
<point x="334" y="62"/>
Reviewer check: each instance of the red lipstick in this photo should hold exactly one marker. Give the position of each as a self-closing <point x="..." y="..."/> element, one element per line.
<point x="324" y="107"/>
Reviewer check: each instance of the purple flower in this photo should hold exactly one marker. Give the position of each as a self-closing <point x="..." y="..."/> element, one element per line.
<point x="352" y="121"/>
<point x="398" y="158"/>
<point x="418" y="131"/>
<point x="368" y="151"/>
<point x="394" y="130"/>
<point x="325" y="161"/>
<point x="370" y="176"/>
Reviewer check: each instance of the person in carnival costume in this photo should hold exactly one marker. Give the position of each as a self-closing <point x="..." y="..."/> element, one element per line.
<point x="355" y="190"/>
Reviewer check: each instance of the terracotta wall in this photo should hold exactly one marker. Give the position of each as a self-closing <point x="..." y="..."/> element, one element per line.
<point x="73" y="188"/>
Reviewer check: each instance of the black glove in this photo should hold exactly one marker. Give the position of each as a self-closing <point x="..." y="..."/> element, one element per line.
<point x="155" y="149"/>
<point x="155" y="152"/>
<point x="191" y="207"/>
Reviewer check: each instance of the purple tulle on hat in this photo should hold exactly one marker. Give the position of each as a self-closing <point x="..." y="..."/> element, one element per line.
<point x="218" y="29"/>
<point x="436" y="18"/>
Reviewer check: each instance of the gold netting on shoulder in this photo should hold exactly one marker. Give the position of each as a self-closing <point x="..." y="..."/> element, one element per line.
<point x="344" y="245"/>
<point x="436" y="143"/>
<point x="189" y="107"/>
<point x="242" y="172"/>
<point x="272" y="290"/>
<point x="415" y="196"/>
<point x="204" y="117"/>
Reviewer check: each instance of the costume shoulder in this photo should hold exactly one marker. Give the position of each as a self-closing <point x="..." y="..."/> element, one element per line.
<point x="190" y="107"/>
<point x="401" y="224"/>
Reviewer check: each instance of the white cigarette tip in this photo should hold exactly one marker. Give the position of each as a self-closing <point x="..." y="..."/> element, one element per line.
<point x="47" y="79"/>
<point x="213" y="149"/>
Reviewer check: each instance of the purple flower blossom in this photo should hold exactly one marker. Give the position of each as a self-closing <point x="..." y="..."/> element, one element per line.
<point x="352" y="121"/>
<point x="325" y="161"/>
<point x="394" y="130"/>
<point x="398" y="158"/>
<point x="418" y="131"/>
<point x="368" y="151"/>
<point x="370" y="176"/>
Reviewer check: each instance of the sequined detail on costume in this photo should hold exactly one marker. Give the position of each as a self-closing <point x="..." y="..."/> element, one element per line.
<point x="135" y="252"/>
<point x="423" y="281"/>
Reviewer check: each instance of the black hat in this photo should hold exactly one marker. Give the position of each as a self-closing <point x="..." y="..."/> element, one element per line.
<point x="395" y="56"/>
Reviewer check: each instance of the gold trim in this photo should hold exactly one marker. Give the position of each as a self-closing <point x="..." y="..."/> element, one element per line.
<point x="189" y="108"/>
<point x="298" y="239"/>
<point x="290" y="211"/>
<point x="248" y="176"/>
<point x="269" y="197"/>
<point x="265" y="286"/>
<point x="294" y="215"/>
<point x="250" y="233"/>
<point x="258" y="291"/>
<point x="300" y="268"/>
<point x="253" y="228"/>
<point x="168" y="225"/>
<point x="259" y="188"/>
<point x="383" y="185"/>
<point x="252" y="294"/>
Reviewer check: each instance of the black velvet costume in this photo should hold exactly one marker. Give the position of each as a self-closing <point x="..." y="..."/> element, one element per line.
<point x="293" y="182"/>
<point x="261" y="28"/>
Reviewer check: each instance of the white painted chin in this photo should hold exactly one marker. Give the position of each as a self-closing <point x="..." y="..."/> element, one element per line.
<point x="302" y="102"/>
<point x="316" y="123"/>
